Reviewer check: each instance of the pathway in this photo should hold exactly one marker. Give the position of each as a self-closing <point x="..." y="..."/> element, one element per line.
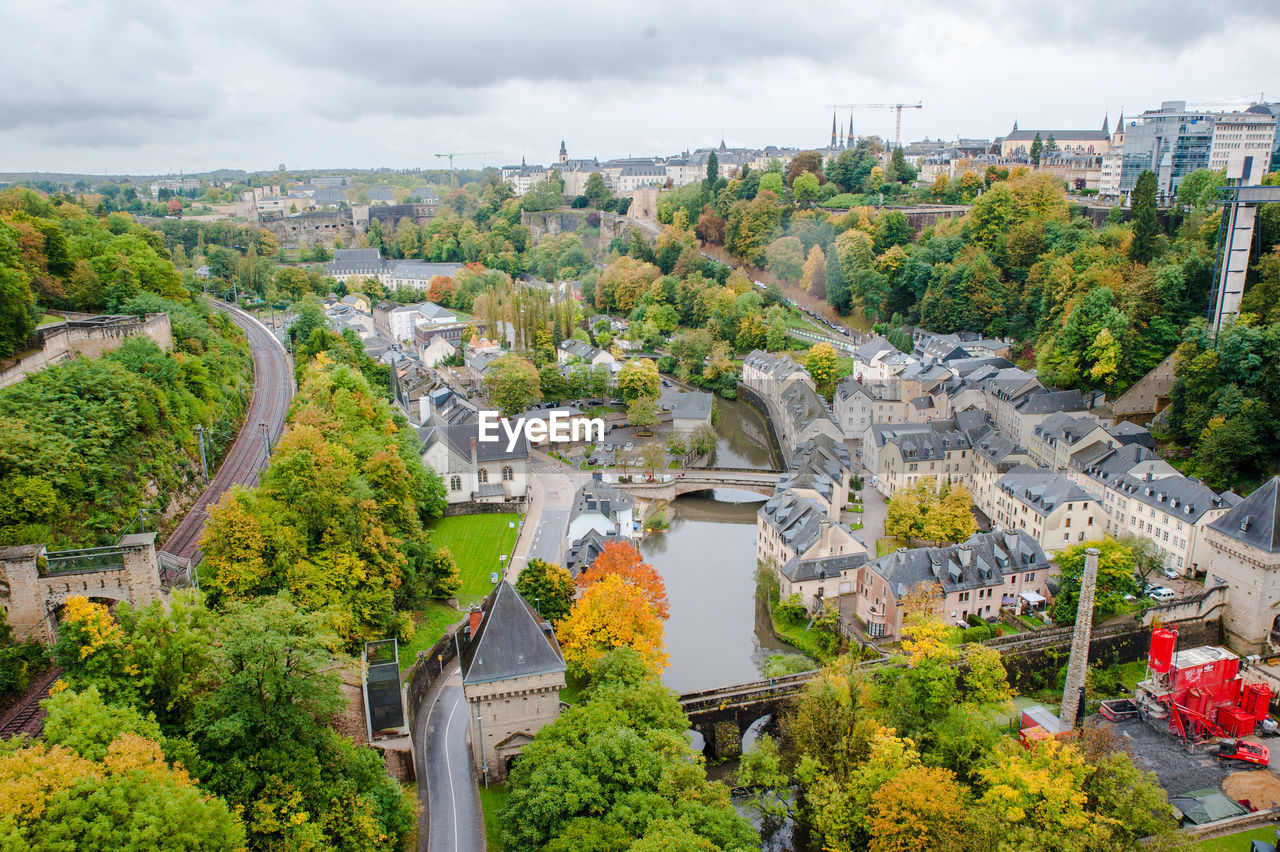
<point x="447" y="790"/>
<point x="550" y="499"/>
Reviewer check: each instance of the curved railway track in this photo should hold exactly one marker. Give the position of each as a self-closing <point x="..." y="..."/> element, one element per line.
<point x="27" y="716"/>
<point x="272" y="391"/>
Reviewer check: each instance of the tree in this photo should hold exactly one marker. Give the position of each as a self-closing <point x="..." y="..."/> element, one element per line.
<point x="1115" y="577"/>
<point x="949" y="517"/>
<point x="822" y="368"/>
<point x="615" y="772"/>
<point x="921" y="808"/>
<point x="785" y="258"/>
<point x="638" y="378"/>
<point x="805" y="187"/>
<point x="643" y="413"/>
<point x="751" y="225"/>
<point x="622" y="559"/>
<point x="899" y="169"/>
<point x="612" y="613"/>
<point x="906" y="510"/>
<point x="814" y="279"/>
<point x="512" y="384"/>
<point x="838" y="293"/>
<point x="805" y="161"/>
<point x="548" y="587"/>
<point x="1037" y="148"/>
<point x="652" y="457"/>
<point x="713" y="170"/>
<point x="1146" y="224"/>
<point x="17" y="305"/>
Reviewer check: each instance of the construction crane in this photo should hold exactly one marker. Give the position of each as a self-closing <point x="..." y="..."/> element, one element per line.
<point x="453" y="173"/>
<point x="897" y="108"/>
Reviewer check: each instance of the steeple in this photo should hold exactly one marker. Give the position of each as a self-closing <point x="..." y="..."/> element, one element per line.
<point x="522" y="162"/>
<point x="849" y="138"/>
<point x="564" y="152"/>
<point x="723" y="147"/>
<point x="1106" y="125"/>
<point x="833" y="128"/>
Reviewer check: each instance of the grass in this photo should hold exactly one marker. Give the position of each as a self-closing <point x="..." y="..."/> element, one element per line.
<point x="1131" y="673"/>
<point x="856" y="525"/>
<point x="493" y="800"/>
<point x="475" y="542"/>
<point x="432" y="620"/>
<point x="48" y="319"/>
<point x="674" y="463"/>
<point x="887" y="545"/>
<point x="1238" y="842"/>
<point x="805" y="641"/>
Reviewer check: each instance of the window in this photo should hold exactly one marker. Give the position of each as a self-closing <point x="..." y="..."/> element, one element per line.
<point x="1068" y="519"/>
<point x="482" y="476"/>
<point x="455" y="483"/>
<point x="1030" y="578"/>
<point x="507" y="473"/>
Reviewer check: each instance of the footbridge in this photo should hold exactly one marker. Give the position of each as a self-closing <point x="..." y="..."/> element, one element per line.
<point x="723" y="715"/>
<point x="669" y="486"/>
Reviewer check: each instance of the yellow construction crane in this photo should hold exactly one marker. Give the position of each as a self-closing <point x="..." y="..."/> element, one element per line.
<point x="897" y="108"/>
<point x="453" y="173"/>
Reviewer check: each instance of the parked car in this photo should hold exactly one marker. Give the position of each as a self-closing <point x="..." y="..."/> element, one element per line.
<point x="1162" y="594"/>
<point x="1170" y="574"/>
<point x="629" y="447"/>
<point x="608" y="448"/>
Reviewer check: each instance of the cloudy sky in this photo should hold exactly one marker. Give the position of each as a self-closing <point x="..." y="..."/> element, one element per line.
<point x="147" y="86"/>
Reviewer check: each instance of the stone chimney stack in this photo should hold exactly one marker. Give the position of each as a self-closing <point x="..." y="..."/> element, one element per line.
<point x="824" y="537"/>
<point x="473" y="451"/>
<point x="1078" y="665"/>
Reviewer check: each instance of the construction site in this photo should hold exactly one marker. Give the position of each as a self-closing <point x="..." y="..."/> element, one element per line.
<point x="1199" y="720"/>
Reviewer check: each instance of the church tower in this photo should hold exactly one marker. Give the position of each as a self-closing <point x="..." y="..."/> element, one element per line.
<point x="833" y="129"/>
<point x="564" y="152"/>
<point x="849" y="138"/>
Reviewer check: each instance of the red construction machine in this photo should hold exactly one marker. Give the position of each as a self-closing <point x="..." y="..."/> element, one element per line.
<point x="1198" y="694"/>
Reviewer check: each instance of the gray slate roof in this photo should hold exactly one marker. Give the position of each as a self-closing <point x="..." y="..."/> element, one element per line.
<point x="459" y="437"/>
<point x="1256" y="520"/>
<point x="797" y="569"/>
<point x="598" y="496"/>
<point x="982" y="560"/>
<point x="692" y="405"/>
<point x="1043" y="492"/>
<point x="583" y="552"/>
<point x="511" y="641"/>
<point x="1185" y="498"/>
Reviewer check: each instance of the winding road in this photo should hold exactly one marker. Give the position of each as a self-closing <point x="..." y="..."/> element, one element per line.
<point x="452" y="820"/>
<point x="272" y="391"/>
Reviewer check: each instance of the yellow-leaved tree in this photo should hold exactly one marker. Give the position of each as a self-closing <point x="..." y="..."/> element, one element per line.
<point x="612" y="613"/>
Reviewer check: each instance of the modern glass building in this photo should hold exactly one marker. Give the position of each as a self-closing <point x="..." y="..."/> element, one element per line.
<point x="1171" y="141"/>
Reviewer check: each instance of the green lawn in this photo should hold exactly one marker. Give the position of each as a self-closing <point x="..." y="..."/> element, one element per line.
<point x="432" y="620"/>
<point x="1236" y="842"/>
<point x="805" y="641"/>
<point x="48" y="319"/>
<point x="1131" y="673"/>
<point x="887" y="545"/>
<point x="493" y="799"/>
<point x="475" y="542"/>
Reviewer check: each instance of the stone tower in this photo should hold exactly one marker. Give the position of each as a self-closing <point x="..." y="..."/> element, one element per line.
<point x="564" y="152"/>
<point x="1078" y="665"/>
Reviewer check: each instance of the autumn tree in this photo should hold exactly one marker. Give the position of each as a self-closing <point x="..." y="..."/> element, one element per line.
<point x="643" y="413"/>
<point x="548" y="587"/>
<point x="948" y="517"/>
<point x="612" y="613"/>
<point x="822" y="368"/>
<point x="814" y="278"/>
<point x="1115" y="577"/>
<point x="785" y="258"/>
<point x="638" y="378"/>
<point x="921" y="808"/>
<point x="512" y="384"/>
<point x="623" y="559"/>
<point x="805" y="161"/>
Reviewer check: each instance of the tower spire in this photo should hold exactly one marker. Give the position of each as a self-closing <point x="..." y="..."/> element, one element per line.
<point x="833" y="128"/>
<point x="849" y="138"/>
<point x="1106" y="125"/>
<point x="564" y="152"/>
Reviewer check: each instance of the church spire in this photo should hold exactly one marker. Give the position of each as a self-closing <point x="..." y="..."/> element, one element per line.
<point x="833" y="128"/>
<point x="1106" y="125"/>
<point x="849" y="138"/>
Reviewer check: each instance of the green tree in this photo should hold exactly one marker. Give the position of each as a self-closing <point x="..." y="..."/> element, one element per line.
<point x="513" y="384"/>
<point x="1115" y="577"/>
<point x="17" y="305"/>
<point x="643" y="413"/>
<point x="548" y="587"/>
<point x="713" y="170"/>
<point x="1037" y="148"/>
<point x="785" y="258"/>
<point x="1146" y="224"/>
<point x="638" y="378"/>
<point x="805" y="187"/>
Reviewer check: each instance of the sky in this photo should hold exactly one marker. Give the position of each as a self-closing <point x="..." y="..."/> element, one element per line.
<point x="156" y="87"/>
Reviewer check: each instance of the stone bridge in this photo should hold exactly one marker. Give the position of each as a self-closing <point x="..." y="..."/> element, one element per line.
<point x="669" y="486"/>
<point x="35" y="583"/>
<point x="723" y="715"/>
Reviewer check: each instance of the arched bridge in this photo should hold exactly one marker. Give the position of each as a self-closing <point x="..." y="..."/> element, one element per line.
<point x="723" y="715"/>
<point x="669" y="486"/>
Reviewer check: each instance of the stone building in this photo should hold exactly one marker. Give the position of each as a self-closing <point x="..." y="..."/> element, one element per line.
<point x="512" y="674"/>
<point x="35" y="583"/>
<point x="1244" y="546"/>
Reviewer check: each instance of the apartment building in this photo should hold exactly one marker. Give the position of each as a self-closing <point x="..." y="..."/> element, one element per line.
<point x="1047" y="506"/>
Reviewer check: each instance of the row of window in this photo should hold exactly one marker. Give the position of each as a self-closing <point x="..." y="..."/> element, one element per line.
<point x="482" y="475"/>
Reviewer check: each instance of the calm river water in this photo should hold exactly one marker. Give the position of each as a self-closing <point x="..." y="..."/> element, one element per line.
<point x="743" y="441"/>
<point x="708" y="561"/>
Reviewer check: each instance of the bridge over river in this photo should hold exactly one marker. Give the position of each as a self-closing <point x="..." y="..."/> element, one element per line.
<point x="669" y="486"/>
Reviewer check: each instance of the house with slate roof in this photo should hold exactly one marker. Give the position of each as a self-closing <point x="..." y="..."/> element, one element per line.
<point x="601" y="507"/>
<point x="900" y="455"/>
<point x="512" y="674"/>
<point x="1049" y="507"/>
<point x="1172" y="512"/>
<point x="979" y="576"/>
<point x="859" y="404"/>
<point x="1245" y="555"/>
<point x="791" y="525"/>
<point x="1060" y="435"/>
<point x="583" y="552"/>
<point x="474" y="470"/>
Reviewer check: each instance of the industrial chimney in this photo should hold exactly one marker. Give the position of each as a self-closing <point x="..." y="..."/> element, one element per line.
<point x="1078" y="665"/>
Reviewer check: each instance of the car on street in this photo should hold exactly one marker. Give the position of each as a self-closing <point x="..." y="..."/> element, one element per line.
<point x="629" y="447"/>
<point x="608" y="448"/>
<point x="1170" y="574"/>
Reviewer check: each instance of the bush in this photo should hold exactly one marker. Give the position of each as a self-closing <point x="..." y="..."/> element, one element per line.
<point x="781" y="665"/>
<point x="790" y="610"/>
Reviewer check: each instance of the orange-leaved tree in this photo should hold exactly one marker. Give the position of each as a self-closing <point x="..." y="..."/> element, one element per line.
<point x="612" y="613"/>
<point x="622" y="559"/>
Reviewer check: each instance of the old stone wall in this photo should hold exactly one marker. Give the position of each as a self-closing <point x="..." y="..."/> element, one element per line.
<point x="87" y="336"/>
<point x="308" y="230"/>
<point x="1148" y="396"/>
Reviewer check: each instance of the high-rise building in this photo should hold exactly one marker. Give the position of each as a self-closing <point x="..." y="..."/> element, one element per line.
<point x="1171" y="141"/>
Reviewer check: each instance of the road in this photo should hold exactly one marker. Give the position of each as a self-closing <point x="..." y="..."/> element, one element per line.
<point x="272" y="391"/>
<point x="449" y="796"/>
<point x="550" y="499"/>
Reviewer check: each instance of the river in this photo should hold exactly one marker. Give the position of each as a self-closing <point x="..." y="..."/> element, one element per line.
<point x="741" y="437"/>
<point x="708" y="561"/>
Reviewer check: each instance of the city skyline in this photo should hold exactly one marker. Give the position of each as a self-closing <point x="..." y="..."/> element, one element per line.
<point x="163" y="88"/>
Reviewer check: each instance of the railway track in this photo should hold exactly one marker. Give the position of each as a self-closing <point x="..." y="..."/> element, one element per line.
<point x="27" y="716"/>
<point x="272" y="392"/>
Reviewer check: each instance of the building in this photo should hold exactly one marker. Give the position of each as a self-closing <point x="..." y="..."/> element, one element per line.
<point x="583" y="552"/>
<point x="796" y="410"/>
<point x="860" y="404"/>
<point x="601" y="507"/>
<point x="900" y="455"/>
<point x="1049" y="507"/>
<point x="416" y="274"/>
<point x="820" y="579"/>
<point x="1171" y="141"/>
<point x="1251" y="135"/>
<point x="574" y="351"/>
<point x="791" y="526"/>
<point x="355" y="263"/>
<point x="1095" y="142"/>
<point x="994" y="455"/>
<point x="512" y="674"/>
<point x="1060" y="435"/>
<point x="1244" y="547"/>
<point x="692" y="409"/>
<point x="979" y="577"/>
<point x="1172" y="512"/>
<point x="474" y="470"/>
<point x="395" y="321"/>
